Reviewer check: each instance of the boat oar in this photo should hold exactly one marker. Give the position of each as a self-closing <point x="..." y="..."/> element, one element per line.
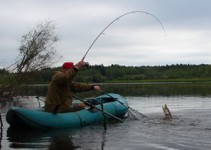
<point x="131" y="110"/>
<point x="104" y="117"/>
<point x="89" y="104"/>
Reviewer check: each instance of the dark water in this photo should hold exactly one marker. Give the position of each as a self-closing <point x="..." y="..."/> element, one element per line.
<point x="190" y="128"/>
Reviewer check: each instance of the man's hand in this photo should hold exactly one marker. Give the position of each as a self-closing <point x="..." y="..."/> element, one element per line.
<point x="80" y="64"/>
<point x="97" y="88"/>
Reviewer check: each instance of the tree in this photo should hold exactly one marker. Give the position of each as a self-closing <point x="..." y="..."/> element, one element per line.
<point x="36" y="52"/>
<point x="37" y="48"/>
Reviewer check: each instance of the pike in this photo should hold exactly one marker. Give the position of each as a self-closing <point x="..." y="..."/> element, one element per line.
<point x="132" y="12"/>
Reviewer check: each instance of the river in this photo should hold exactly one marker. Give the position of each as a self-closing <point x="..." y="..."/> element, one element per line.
<point x="190" y="128"/>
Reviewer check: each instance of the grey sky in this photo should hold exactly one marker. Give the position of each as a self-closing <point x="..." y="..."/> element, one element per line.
<point x="134" y="40"/>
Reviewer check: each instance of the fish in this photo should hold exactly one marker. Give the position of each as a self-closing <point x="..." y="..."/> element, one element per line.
<point x="167" y="113"/>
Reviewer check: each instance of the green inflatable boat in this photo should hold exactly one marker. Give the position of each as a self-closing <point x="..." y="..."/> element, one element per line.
<point x="108" y="106"/>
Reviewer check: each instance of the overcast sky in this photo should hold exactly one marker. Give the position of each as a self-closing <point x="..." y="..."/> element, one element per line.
<point x="134" y="40"/>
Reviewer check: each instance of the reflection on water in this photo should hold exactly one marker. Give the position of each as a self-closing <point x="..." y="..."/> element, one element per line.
<point x="53" y="140"/>
<point x="162" y="89"/>
<point x="140" y="89"/>
<point x="61" y="139"/>
<point x="189" y="129"/>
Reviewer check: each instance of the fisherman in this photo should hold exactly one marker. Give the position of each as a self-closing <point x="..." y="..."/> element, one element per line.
<point x="61" y="88"/>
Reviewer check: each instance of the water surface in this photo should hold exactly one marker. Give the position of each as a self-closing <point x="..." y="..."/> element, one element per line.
<point x="190" y="128"/>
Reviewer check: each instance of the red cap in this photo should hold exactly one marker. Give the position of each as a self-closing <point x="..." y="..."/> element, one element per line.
<point x="68" y="65"/>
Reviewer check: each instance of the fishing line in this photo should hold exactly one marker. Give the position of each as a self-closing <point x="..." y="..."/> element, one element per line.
<point x="132" y="12"/>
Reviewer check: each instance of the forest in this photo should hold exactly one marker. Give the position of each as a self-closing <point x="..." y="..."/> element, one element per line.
<point x="118" y="73"/>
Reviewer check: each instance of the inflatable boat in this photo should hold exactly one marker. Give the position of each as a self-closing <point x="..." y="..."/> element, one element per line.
<point x="107" y="106"/>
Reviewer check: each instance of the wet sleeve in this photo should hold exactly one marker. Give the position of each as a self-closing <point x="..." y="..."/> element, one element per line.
<point x="79" y="87"/>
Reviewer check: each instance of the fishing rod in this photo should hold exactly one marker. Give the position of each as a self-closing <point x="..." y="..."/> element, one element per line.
<point x="131" y="110"/>
<point x="105" y="112"/>
<point x="132" y="12"/>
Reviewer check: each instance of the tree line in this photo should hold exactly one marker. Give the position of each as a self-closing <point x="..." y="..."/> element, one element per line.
<point x="118" y="73"/>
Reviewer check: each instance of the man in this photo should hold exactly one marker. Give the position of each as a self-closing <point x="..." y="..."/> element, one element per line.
<point x="59" y="96"/>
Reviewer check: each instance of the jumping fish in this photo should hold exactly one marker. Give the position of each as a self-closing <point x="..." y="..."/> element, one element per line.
<point x="167" y="113"/>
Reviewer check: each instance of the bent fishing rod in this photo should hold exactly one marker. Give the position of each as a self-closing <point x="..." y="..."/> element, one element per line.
<point x="132" y="12"/>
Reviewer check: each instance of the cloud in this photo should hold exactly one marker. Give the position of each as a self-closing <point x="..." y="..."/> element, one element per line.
<point x="136" y="39"/>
